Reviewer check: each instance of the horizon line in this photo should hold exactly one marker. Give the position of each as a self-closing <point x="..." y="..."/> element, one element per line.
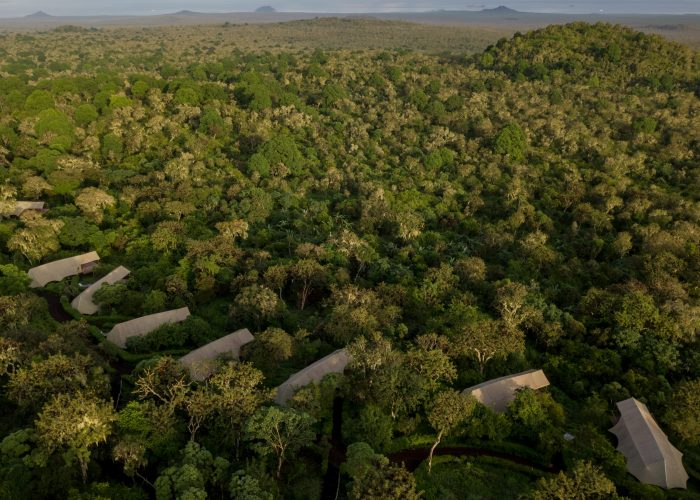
<point x="154" y="13"/>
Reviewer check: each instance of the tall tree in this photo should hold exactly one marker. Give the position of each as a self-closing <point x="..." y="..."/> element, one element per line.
<point x="279" y="431"/>
<point x="487" y="339"/>
<point x="77" y="423"/>
<point x="445" y="413"/>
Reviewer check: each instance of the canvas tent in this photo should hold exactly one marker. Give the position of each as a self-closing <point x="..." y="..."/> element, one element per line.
<point x="333" y="363"/>
<point x="201" y="362"/>
<point x="83" y="303"/>
<point x="61" y="269"/>
<point x="141" y="326"/>
<point x="651" y="458"/>
<point x="498" y="393"/>
<point x="22" y="206"/>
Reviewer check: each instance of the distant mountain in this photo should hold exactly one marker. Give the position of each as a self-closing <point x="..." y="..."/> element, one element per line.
<point x="39" y="15"/>
<point x="502" y="9"/>
<point x="265" y="9"/>
<point x="186" y="13"/>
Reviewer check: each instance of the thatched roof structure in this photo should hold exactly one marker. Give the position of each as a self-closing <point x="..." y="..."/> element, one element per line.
<point x="333" y="363"/>
<point x="201" y="362"/>
<point x="61" y="269"/>
<point x="651" y="457"/>
<point x="22" y="206"/>
<point x="498" y="393"/>
<point x="83" y="303"/>
<point x="146" y="324"/>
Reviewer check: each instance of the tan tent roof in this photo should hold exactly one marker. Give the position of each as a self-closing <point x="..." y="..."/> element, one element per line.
<point x="21" y="206"/>
<point x="651" y="458"/>
<point x="60" y="269"/>
<point x="83" y="302"/>
<point x="146" y="324"/>
<point x="201" y="361"/>
<point x="498" y="393"/>
<point x="333" y="363"/>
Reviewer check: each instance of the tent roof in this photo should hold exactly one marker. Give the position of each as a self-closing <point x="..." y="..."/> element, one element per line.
<point x="201" y="362"/>
<point x="651" y="457"/>
<point x="498" y="393"/>
<point x="333" y="363"/>
<point x="83" y="303"/>
<point x="60" y="269"/>
<point x="146" y="324"/>
<point x="21" y="206"/>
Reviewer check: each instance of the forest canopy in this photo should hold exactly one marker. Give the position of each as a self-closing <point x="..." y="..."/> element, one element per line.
<point x="445" y="218"/>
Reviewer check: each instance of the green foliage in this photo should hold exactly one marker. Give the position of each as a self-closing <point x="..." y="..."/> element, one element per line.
<point x="76" y="423"/>
<point x="373" y="477"/>
<point x="39" y="100"/>
<point x="13" y="281"/>
<point x="211" y="122"/>
<point x="683" y="414"/>
<point x="112" y="147"/>
<point x="283" y="149"/>
<point x="77" y="232"/>
<point x="482" y="477"/>
<point x="446" y="219"/>
<point x="189" y="333"/>
<point x="119" y="101"/>
<point x="85" y="114"/>
<point x="246" y="487"/>
<point x="259" y="164"/>
<point x="583" y="482"/>
<point x="186" y="96"/>
<point x="511" y="141"/>
<point x="374" y="426"/>
<point x="197" y="473"/>
<point x="57" y="128"/>
<point x="280" y="431"/>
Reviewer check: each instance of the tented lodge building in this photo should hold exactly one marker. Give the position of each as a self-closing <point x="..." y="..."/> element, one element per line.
<point x="333" y="363"/>
<point x="84" y="304"/>
<point x="201" y="362"/>
<point x="498" y="393"/>
<point x="61" y="269"/>
<point x="146" y="324"/>
<point x="651" y="457"/>
<point x="23" y="206"/>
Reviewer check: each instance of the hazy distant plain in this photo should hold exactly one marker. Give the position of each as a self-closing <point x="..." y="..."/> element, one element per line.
<point x="15" y="8"/>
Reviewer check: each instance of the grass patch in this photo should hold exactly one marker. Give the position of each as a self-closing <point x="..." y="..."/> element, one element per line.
<point x="454" y="478"/>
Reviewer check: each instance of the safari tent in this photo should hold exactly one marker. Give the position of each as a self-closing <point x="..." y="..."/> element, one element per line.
<point x="61" y="269"/>
<point x="83" y="303"/>
<point x="200" y="362"/>
<point x="23" y="206"/>
<point x="498" y="393"/>
<point x="651" y="457"/>
<point x="333" y="363"/>
<point x="146" y="324"/>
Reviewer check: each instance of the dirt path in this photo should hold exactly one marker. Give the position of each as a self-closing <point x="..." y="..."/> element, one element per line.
<point x="55" y="307"/>
<point x="336" y="455"/>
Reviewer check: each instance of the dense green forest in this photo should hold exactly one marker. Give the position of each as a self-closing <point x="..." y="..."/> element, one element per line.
<point x="447" y="219"/>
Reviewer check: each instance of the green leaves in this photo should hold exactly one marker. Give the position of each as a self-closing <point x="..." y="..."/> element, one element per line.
<point x="55" y="128"/>
<point x="280" y="431"/>
<point x="76" y="423"/>
<point x="511" y="141"/>
<point x="13" y="281"/>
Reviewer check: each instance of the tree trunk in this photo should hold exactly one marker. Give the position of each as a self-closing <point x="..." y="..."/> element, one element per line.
<point x="432" y="449"/>
<point x="279" y="466"/>
<point x="304" y="295"/>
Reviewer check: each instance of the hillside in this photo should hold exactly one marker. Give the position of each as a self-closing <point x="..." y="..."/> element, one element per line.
<point x="614" y="54"/>
<point x="315" y="248"/>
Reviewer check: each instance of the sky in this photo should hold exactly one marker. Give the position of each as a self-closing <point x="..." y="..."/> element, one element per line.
<point x="14" y="8"/>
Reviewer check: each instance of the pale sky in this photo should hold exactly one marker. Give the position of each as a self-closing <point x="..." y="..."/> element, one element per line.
<point x="12" y="8"/>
